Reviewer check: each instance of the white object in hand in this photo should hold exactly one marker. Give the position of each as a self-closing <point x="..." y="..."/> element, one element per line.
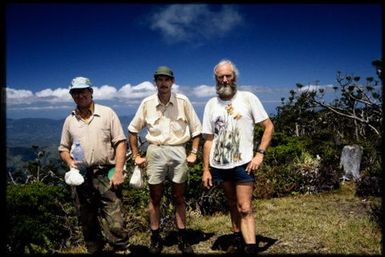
<point x="73" y="177"/>
<point x="136" y="180"/>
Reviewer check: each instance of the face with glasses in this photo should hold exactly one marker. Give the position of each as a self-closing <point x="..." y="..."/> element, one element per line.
<point x="82" y="97"/>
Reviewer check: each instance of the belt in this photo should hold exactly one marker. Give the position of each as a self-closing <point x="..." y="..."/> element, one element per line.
<point x="166" y="144"/>
<point x="100" y="167"/>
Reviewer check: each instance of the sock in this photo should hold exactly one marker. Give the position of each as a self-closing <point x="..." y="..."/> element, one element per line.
<point x="182" y="233"/>
<point x="155" y="233"/>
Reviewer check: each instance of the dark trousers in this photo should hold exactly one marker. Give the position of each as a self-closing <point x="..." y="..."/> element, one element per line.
<point x="99" y="211"/>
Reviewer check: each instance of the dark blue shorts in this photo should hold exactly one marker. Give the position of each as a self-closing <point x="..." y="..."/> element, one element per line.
<point x="237" y="174"/>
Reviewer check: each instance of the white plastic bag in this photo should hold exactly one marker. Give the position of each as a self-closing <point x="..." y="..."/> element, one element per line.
<point x="137" y="180"/>
<point x="73" y="177"/>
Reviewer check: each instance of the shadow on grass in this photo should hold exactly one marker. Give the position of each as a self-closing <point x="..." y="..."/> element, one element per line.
<point x="171" y="238"/>
<point x="224" y="242"/>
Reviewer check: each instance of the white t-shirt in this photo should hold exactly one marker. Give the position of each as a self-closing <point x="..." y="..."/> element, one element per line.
<point x="232" y="124"/>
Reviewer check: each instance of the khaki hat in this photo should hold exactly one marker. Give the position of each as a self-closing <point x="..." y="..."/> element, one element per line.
<point x="164" y="70"/>
<point x="80" y="83"/>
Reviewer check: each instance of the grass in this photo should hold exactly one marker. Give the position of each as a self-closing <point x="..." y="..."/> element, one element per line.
<point x="328" y="223"/>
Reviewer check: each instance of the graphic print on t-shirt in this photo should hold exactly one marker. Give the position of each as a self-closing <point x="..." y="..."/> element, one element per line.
<point x="227" y="145"/>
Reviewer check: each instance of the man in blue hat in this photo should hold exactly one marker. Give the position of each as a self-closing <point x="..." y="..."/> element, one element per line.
<point x="98" y="200"/>
<point x="171" y="122"/>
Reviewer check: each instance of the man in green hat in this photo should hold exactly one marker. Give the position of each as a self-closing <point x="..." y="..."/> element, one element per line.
<point x="171" y="122"/>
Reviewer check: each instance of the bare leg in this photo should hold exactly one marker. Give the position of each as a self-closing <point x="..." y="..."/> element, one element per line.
<point x="244" y="193"/>
<point x="230" y="193"/>
<point x="180" y="206"/>
<point x="156" y="193"/>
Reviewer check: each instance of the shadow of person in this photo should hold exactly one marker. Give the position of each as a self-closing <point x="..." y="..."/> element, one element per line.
<point x="171" y="238"/>
<point x="266" y="242"/>
<point x="222" y="243"/>
<point x="193" y="236"/>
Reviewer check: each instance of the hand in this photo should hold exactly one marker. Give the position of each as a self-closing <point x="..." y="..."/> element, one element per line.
<point x="141" y="162"/>
<point x="72" y="164"/>
<point x="191" y="158"/>
<point x="117" y="179"/>
<point x="207" y="179"/>
<point x="255" y="163"/>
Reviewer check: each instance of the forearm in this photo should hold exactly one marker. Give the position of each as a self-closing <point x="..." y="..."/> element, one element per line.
<point x="206" y="154"/>
<point x="268" y="128"/>
<point x="133" y="141"/>
<point x="120" y="157"/>
<point x="66" y="157"/>
<point x="195" y="143"/>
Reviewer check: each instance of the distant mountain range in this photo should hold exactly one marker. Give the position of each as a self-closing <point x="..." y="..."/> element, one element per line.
<point x="22" y="134"/>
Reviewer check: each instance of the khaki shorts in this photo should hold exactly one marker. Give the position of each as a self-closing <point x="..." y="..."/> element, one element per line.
<point x="166" y="161"/>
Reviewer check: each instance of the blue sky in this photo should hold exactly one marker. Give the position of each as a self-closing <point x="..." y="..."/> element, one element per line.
<point x="119" y="46"/>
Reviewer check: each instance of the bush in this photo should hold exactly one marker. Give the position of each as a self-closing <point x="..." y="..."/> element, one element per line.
<point x="36" y="218"/>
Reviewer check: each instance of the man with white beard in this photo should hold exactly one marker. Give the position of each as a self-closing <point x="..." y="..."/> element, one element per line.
<point x="234" y="112"/>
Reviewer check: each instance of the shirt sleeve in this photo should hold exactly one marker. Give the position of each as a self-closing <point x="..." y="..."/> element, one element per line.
<point x="117" y="133"/>
<point x="138" y="122"/>
<point x="207" y="126"/>
<point x="65" y="141"/>
<point x="192" y="117"/>
<point x="258" y="112"/>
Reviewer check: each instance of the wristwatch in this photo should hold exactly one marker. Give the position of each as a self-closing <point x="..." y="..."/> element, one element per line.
<point x="261" y="151"/>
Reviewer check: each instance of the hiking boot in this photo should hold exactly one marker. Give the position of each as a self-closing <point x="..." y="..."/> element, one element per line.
<point x="94" y="247"/>
<point x="185" y="247"/>
<point x="237" y="245"/>
<point x="121" y="249"/>
<point x="183" y="242"/>
<point x="156" y="245"/>
<point x="251" y="248"/>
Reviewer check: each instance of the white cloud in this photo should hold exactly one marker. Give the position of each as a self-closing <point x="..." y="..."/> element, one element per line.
<point x="104" y="92"/>
<point x="204" y="91"/>
<point x="185" y="22"/>
<point x="313" y="88"/>
<point x="139" y="91"/>
<point x="18" y="93"/>
<point x="59" y="94"/>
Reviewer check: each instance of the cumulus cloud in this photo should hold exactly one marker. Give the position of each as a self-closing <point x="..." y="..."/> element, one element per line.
<point x="139" y="91"/>
<point x="59" y="94"/>
<point x="204" y="91"/>
<point x="22" y="97"/>
<point x="104" y="92"/>
<point x="17" y="96"/>
<point x="312" y="88"/>
<point x="186" y="22"/>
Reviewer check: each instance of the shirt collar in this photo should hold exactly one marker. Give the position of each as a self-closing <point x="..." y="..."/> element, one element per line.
<point x="171" y="101"/>
<point x="92" y="109"/>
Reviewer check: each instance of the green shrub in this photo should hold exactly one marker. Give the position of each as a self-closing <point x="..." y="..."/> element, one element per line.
<point x="36" y="217"/>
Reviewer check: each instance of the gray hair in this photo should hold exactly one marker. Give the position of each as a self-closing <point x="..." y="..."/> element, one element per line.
<point x="226" y="61"/>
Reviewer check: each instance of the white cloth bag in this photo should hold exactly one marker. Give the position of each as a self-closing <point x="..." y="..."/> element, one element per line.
<point x="73" y="177"/>
<point x="137" y="180"/>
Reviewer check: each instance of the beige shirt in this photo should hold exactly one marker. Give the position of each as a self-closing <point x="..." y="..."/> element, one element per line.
<point x="98" y="135"/>
<point x="171" y="124"/>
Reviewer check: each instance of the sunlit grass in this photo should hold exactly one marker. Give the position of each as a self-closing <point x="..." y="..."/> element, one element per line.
<point x="334" y="222"/>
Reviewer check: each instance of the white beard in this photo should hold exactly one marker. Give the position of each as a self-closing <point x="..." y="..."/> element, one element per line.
<point x="226" y="90"/>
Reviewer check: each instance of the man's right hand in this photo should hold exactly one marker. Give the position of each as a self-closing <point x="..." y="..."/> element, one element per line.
<point x="141" y="162"/>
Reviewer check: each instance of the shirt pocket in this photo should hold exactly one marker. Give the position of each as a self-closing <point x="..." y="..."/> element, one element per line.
<point x="105" y="135"/>
<point x="178" y="126"/>
<point x="153" y="125"/>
